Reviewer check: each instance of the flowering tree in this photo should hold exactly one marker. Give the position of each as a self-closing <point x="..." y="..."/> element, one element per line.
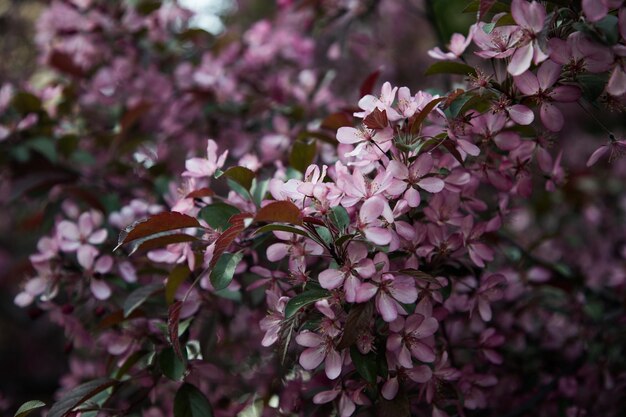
<point x="228" y="235"/>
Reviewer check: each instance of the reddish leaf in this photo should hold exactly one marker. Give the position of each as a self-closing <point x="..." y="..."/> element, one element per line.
<point x="376" y="119"/>
<point x="336" y="120"/>
<point x="117" y="317"/>
<point x="224" y="241"/>
<point x="452" y="96"/>
<point x="133" y="114"/>
<point x="368" y="84"/>
<point x="79" y="395"/>
<point x="173" y="318"/>
<point x="449" y="145"/>
<point x="485" y="6"/>
<point x="313" y="220"/>
<point x="148" y="244"/>
<point x="398" y="407"/>
<point x="201" y="193"/>
<point x="358" y="320"/>
<point x="280" y="211"/>
<point x="417" y="120"/>
<point x="64" y="63"/>
<point x="86" y="195"/>
<point x="158" y="223"/>
<point x="240" y="217"/>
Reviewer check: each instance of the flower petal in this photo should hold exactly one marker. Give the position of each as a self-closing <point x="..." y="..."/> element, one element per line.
<point x="521" y="114"/>
<point x="551" y="117"/>
<point x="431" y="184"/>
<point x="527" y="83"/>
<point x="100" y="289"/>
<point x="597" y="154"/>
<point x="386" y="307"/>
<point x="349" y="135"/>
<point x="332" y="364"/>
<point x="331" y="278"/>
<point x="390" y="388"/>
<point x="312" y="357"/>
<point x="521" y="59"/>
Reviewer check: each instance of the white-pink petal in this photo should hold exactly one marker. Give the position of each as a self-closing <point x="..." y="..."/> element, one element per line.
<point x="598" y="153"/>
<point x="312" y="357"/>
<point x="349" y="135"/>
<point x="431" y="184"/>
<point x="521" y="60"/>
<point x="332" y="364"/>
<point x="100" y="289"/>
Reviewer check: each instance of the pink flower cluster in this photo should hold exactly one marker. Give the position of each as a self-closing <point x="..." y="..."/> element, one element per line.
<point x="401" y="256"/>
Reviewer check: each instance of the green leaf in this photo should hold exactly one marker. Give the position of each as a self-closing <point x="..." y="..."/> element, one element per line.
<point x="342" y="239"/>
<point x="592" y="85"/>
<point x="324" y="234"/>
<point x="79" y="395"/>
<point x="172" y="366"/>
<point x="241" y="175"/>
<point x="365" y="364"/>
<point x="488" y="27"/>
<point x="26" y="102"/>
<point x="217" y="215"/>
<point x="259" y="190"/>
<point x="479" y="103"/>
<point x="280" y="228"/>
<point x="506" y="20"/>
<point x="178" y="275"/>
<point x="608" y="29"/>
<point x="448" y="67"/>
<point x="28" y="407"/>
<point x="191" y="402"/>
<point x="129" y="363"/>
<point x="139" y="296"/>
<point x="304" y="299"/>
<point x="302" y="154"/>
<point x="340" y="217"/>
<point x="458" y="104"/>
<point x="44" y="146"/>
<point x="222" y="274"/>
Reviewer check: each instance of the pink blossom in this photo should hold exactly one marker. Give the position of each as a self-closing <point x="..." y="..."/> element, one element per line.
<point x="530" y="16"/>
<point x="294" y="246"/>
<point x="499" y="43"/>
<point x="412" y="337"/>
<point x="458" y="44"/>
<point x="319" y="349"/>
<point x="271" y="324"/>
<point x="541" y="88"/>
<point x="389" y="290"/>
<point x="385" y="102"/>
<point x="375" y="229"/>
<point x="82" y="236"/>
<point x="488" y="292"/>
<point x="201" y="167"/>
<point x="595" y="10"/>
<point x="417" y="176"/>
<point x="615" y="148"/>
<point x="357" y="266"/>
